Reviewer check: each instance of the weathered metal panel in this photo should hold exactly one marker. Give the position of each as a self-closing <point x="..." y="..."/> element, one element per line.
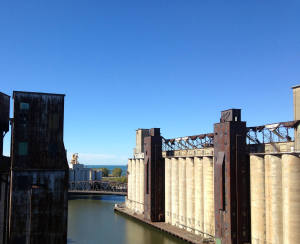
<point x="154" y="177"/>
<point x="39" y="172"/>
<point x="37" y="138"/>
<point x="4" y="197"/>
<point x="38" y="207"/>
<point x="4" y="112"/>
<point x="4" y="117"/>
<point x="232" y="180"/>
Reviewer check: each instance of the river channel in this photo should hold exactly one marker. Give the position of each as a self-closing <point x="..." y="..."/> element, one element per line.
<point x="91" y="220"/>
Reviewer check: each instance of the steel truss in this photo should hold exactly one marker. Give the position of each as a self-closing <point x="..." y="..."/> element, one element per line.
<point x="272" y="133"/>
<point x="97" y="186"/>
<point x="188" y="142"/>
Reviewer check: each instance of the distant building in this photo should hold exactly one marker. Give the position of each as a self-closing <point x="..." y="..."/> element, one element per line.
<point x="80" y="175"/>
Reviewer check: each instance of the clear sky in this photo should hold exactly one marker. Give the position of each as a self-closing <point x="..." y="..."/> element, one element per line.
<point x="171" y="64"/>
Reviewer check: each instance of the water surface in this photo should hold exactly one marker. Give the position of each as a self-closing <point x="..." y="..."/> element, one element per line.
<point x="91" y="220"/>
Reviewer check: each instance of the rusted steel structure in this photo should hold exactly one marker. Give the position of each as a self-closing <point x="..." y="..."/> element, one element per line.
<point x="188" y="142"/>
<point x="154" y="196"/>
<point x="39" y="170"/>
<point x="4" y="117"/>
<point x="231" y="180"/>
<point x="272" y="133"/>
<point x="34" y="180"/>
<point x="4" y="168"/>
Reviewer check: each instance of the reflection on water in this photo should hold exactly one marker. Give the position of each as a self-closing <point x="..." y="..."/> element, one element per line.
<point x="92" y="221"/>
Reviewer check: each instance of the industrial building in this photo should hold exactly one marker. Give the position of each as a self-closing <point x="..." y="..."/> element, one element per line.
<point x="34" y="186"/>
<point x="81" y="177"/>
<point x="237" y="185"/>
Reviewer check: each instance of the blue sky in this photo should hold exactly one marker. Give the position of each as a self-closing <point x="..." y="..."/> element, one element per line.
<point x="172" y="64"/>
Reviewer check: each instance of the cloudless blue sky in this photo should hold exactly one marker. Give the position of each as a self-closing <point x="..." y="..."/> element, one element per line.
<point x="171" y="64"/>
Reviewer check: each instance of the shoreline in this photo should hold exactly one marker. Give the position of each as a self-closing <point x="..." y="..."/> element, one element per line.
<point x="162" y="226"/>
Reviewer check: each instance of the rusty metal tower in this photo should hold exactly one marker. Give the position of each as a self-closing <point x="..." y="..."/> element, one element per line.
<point x="232" y="180"/>
<point x="39" y="170"/>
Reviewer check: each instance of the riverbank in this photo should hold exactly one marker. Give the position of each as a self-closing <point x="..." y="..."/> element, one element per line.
<point x="162" y="226"/>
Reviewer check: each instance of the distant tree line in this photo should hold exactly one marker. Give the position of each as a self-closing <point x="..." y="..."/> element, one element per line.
<point x="117" y="172"/>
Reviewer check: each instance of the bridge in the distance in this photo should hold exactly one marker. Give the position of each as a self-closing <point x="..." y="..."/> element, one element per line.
<point x="97" y="188"/>
<point x="86" y="192"/>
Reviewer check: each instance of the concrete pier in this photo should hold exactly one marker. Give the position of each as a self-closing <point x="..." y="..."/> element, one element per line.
<point x="165" y="227"/>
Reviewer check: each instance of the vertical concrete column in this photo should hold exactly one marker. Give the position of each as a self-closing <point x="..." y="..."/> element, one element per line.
<point x="267" y="198"/>
<point x="175" y="191"/>
<point x="208" y="190"/>
<point x="273" y="181"/>
<point x="133" y="202"/>
<point x="296" y="95"/>
<point x="129" y="184"/>
<point x="168" y="195"/>
<point x="291" y="198"/>
<point x="137" y="186"/>
<point x="258" y="214"/>
<point x="190" y="194"/>
<point x="182" y="192"/>
<point x="142" y="184"/>
<point x="198" y="162"/>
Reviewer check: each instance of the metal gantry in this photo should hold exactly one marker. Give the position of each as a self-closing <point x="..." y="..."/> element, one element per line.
<point x="188" y="142"/>
<point x="97" y="185"/>
<point x="272" y="133"/>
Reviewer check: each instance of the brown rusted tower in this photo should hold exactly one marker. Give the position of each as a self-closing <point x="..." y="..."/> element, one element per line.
<point x="154" y="177"/>
<point x="232" y="180"/>
<point x="39" y="170"/>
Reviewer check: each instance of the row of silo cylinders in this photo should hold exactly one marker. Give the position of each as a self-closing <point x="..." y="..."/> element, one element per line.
<point x="189" y="194"/>
<point x="275" y="199"/>
<point x="84" y="174"/>
<point x="135" y="185"/>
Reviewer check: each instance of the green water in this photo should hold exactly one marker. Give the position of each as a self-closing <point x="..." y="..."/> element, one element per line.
<point x="93" y="221"/>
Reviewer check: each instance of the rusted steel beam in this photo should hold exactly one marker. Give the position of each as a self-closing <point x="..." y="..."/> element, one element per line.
<point x="188" y="142"/>
<point x="272" y="133"/>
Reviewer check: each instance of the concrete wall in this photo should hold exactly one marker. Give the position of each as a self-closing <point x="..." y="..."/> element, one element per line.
<point x="79" y="173"/>
<point x="275" y="198"/>
<point x="168" y="190"/>
<point x="296" y="94"/>
<point x="174" y="191"/>
<point x="136" y="178"/>
<point x="129" y="184"/>
<point x="139" y="148"/>
<point x="141" y="186"/>
<point x="189" y="193"/>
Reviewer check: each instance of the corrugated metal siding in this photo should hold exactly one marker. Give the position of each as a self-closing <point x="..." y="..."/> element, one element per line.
<point x="38" y="132"/>
<point x="40" y="172"/>
<point x="4" y="197"/>
<point x="39" y="207"/>
<point x="4" y="112"/>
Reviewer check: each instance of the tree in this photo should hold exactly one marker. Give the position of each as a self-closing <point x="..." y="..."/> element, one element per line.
<point x="104" y="172"/>
<point x="117" y="172"/>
